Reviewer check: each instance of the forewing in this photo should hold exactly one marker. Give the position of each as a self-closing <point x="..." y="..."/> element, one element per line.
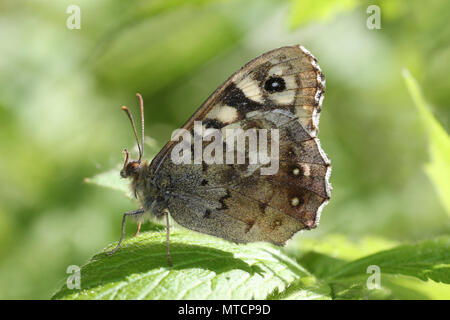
<point x="244" y="92"/>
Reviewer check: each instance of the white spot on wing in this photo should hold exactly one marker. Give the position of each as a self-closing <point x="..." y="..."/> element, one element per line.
<point x="284" y="97"/>
<point x="306" y="169"/>
<point x="251" y="89"/>
<point x="276" y="70"/>
<point x="227" y="114"/>
<point x="212" y="114"/>
<point x="290" y="82"/>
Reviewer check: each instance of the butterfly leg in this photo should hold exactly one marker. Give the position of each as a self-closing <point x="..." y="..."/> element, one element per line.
<point x="129" y="213"/>
<point x="167" y="238"/>
<point x="138" y="229"/>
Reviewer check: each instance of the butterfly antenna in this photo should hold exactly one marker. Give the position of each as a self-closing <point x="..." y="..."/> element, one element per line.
<point x="127" y="157"/>
<point x="141" y="101"/>
<point x="134" y="130"/>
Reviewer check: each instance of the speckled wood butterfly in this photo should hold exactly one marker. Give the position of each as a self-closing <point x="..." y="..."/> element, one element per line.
<point x="282" y="89"/>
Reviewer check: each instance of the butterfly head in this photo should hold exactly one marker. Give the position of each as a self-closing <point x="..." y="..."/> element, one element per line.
<point x="131" y="168"/>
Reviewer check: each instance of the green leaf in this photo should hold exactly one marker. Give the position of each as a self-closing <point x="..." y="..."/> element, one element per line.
<point x="304" y="11"/>
<point x="204" y="267"/>
<point x="438" y="169"/>
<point x="305" y="288"/>
<point x="393" y="287"/>
<point x="326" y="255"/>
<point x="111" y="179"/>
<point x="429" y="259"/>
<point x="321" y="256"/>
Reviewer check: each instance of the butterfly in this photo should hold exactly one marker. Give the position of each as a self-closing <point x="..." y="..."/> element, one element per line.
<point x="280" y="90"/>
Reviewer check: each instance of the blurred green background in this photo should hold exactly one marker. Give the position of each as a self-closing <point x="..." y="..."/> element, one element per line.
<point x="60" y="119"/>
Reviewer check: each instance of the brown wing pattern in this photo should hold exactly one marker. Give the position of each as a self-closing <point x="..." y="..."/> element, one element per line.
<point x="235" y="201"/>
<point x="293" y="62"/>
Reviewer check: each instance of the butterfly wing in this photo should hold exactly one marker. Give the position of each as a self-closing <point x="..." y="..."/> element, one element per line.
<point x="282" y="89"/>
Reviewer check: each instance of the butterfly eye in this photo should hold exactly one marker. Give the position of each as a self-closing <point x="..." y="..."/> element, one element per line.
<point x="275" y="84"/>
